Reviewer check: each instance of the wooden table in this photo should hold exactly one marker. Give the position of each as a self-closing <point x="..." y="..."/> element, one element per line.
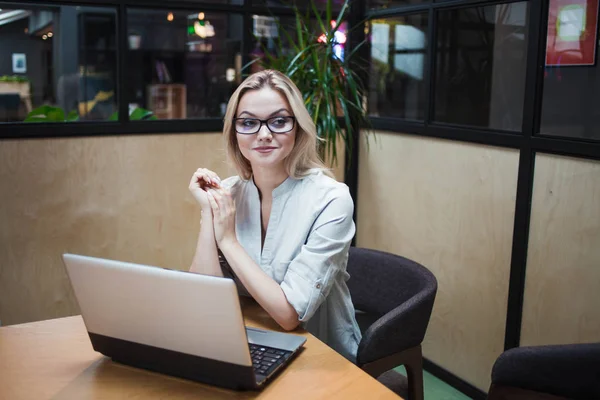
<point x="54" y="359"/>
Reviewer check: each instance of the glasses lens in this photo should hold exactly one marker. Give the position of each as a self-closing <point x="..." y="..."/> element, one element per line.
<point x="247" y="125"/>
<point x="281" y="124"/>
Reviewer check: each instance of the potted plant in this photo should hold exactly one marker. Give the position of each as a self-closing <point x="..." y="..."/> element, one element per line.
<point x="333" y="91"/>
<point x="48" y="113"/>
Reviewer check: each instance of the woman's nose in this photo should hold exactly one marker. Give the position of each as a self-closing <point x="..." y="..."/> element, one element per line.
<point x="264" y="133"/>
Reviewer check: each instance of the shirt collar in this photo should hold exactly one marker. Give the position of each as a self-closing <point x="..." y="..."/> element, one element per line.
<point x="283" y="188"/>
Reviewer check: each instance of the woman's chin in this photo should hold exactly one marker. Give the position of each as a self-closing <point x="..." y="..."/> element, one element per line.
<point x="266" y="162"/>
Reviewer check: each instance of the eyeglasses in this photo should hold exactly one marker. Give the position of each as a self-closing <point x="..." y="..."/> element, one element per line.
<point x="250" y="126"/>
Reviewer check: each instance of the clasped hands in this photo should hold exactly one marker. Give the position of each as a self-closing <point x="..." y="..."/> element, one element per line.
<point x="216" y="203"/>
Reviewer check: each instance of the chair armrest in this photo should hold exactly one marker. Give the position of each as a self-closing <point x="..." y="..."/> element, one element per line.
<point x="402" y="328"/>
<point x="571" y="370"/>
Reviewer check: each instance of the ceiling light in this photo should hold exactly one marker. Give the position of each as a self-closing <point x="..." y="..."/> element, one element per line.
<point x="50" y="34"/>
<point x="201" y="15"/>
<point x="44" y="37"/>
<point x="170" y="17"/>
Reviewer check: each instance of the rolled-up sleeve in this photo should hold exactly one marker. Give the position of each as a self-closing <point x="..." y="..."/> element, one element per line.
<point x="311" y="274"/>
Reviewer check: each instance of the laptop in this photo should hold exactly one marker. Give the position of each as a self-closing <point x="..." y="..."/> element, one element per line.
<point x="174" y="322"/>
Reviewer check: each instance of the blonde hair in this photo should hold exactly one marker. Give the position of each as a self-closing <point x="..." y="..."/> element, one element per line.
<point x="304" y="157"/>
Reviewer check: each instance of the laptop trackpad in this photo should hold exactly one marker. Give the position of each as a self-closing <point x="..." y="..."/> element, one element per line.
<point x="278" y="340"/>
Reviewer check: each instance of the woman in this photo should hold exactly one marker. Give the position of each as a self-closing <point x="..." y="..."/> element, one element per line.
<point x="284" y="225"/>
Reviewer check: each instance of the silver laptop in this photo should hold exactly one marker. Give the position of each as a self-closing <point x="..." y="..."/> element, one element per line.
<point x="174" y="322"/>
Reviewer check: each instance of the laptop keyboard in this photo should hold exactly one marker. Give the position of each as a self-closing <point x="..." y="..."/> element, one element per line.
<point x="266" y="359"/>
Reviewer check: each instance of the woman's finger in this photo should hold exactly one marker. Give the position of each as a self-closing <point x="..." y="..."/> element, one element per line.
<point x="227" y="204"/>
<point x="216" y="181"/>
<point x="211" y="178"/>
<point x="221" y="201"/>
<point x="197" y="178"/>
<point x="216" y="193"/>
<point x="205" y="177"/>
<point x="213" y="203"/>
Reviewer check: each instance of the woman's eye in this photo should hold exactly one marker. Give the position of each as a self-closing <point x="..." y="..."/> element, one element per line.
<point x="278" y="121"/>
<point x="248" y="123"/>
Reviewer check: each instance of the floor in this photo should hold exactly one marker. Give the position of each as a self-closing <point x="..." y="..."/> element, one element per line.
<point x="436" y="389"/>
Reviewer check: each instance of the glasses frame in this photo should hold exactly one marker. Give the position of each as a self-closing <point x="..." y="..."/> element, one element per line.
<point x="265" y="122"/>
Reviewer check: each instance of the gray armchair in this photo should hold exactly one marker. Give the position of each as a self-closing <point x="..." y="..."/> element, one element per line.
<point x="569" y="371"/>
<point x="393" y="297"/>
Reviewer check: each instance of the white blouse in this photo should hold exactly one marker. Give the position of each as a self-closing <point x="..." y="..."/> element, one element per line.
<point x="305" y="251"/>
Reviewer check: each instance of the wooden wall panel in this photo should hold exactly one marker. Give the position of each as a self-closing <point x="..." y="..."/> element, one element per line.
<point x="449" y="206"/>
<point x="562" y="287"/>
<point x="115" y="197"/>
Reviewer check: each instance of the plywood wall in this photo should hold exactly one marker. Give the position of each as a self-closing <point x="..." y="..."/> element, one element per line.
<point x="562" y="287"/>
<point x="116" y="197"/>
<point x="449" y="206"/>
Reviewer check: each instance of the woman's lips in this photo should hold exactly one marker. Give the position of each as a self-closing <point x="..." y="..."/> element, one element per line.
<point x="265" y="149"/>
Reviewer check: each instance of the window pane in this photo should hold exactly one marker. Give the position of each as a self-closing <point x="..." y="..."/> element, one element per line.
<point x="234" y="2"/>
<point x="398" y="59"/>
<point x="60" y="57"/>
<point x="302" y="4"/>
<point x="183" y="64"/>
<point x="480" y="66"/>
<point x="383" y="4"/>
<point x="572" y="76"/>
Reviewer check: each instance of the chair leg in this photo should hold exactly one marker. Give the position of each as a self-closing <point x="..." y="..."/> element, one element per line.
<point x="412" y="359"/>
<point x="414" y="370"/>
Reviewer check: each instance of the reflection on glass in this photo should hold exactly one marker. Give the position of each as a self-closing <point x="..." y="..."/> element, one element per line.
<point x="481" y="57"/>
<point x="570" y="102"/>
<point x="336" y="5"/>
<point x="61" y="63"/>
<point x="383" y="4"/>
<point x="572" y="77"/>
<point x="233" y="2"/>
<point x="398" y="53"/>
<point x="183" y="64"/>
<point x="269" y="40"/>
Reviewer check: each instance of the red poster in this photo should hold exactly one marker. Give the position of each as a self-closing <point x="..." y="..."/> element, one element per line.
<point x="572" y="28"/>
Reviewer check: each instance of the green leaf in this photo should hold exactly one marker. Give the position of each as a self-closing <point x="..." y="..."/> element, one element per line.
<point x="46" y="113"/>
<point x="57" y="114"/>
<point x="73" y="116"/>
<point x="137" y="114"/>
<point x="317" y="14"/>
<point x="141" y="114"/>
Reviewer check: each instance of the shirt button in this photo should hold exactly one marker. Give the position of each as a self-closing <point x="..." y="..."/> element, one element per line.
<point x="318" y="286"/>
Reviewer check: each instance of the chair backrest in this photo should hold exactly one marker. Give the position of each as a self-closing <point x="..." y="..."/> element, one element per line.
<point x="380" y="281"/>
<point x="568" y="370"/>
<point x="395" y="296"/>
